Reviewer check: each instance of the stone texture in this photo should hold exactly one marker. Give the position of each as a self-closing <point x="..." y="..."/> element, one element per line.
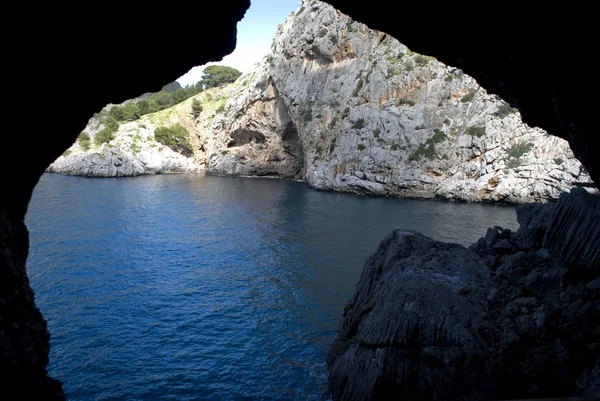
<point x="519" y="62"/>
<point x="553" y="92"/>
<point x="133" y="152"/>
<point x="574" y="233"/>
<point x="414" y="318"/>
<point x="505" y="319"/>
<point x="350" y="109"/>
<point x="374" y="117"/>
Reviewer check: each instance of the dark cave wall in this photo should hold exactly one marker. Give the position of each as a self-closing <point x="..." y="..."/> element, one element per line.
<point x="65" y="62"/>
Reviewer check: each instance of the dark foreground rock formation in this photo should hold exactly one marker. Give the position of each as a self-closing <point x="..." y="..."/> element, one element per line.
<point x="74" y="57"/>
<point x="517" y="315"/>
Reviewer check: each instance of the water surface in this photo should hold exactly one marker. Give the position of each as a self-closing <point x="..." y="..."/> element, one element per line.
<point x="192" y="287"/>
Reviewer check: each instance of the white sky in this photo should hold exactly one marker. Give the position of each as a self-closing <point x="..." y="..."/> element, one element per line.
<point x="255" y="33"/>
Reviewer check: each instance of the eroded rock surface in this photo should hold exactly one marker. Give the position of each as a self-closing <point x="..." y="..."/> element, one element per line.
<point x="350" y="109"/>
<point x="503" y="319"/>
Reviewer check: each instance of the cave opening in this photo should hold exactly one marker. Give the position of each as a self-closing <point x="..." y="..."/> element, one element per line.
<point x="31" y="362"/>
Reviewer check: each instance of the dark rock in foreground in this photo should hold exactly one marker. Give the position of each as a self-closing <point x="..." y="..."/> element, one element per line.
<point x="510" y="317"/>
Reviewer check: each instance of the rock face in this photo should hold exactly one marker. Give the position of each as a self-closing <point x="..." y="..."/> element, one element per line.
<point x="350" y="109"/>
<point x="503" y="319"/>
<point x="133" y="152"/>
<point x="374" y="117"/>
<point x="511" y="54"/>
<point x="412" y="320"/>
<point x="553" y="92"/>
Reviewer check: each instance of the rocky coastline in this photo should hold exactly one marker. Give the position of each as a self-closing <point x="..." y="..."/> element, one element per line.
<point x="347" y="108"/>
<point x="516" y="315"/>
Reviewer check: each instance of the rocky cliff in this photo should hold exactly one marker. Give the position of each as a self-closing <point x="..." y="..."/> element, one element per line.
<point x="555" y="93"/>
<point x="511" y="317"/>
<point x="350" y="109"/>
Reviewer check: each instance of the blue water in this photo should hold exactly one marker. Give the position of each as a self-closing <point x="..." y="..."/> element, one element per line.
<point x="191" y="287"/>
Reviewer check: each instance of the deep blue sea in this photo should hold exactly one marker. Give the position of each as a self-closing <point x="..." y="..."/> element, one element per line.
<point x="192" y="287"/>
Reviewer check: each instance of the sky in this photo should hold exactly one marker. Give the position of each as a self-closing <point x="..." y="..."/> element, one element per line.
<point x="255" y="33"/>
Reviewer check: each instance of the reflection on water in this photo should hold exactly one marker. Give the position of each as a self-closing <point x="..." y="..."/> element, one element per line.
<point x="191" y="287"/>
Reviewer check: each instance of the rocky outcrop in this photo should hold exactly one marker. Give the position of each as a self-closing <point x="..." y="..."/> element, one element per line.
<point x="511" y="54"/>
<point x="555" y="93"/>
<point x="374" y="117"/>
<point x="503" y="319"/>
<point x="257" y="135"/>
<point x="133" y="152"/>
<point x="350" y="109"/>
<point x="574" y="233"/>
<point x="415" y="317"/>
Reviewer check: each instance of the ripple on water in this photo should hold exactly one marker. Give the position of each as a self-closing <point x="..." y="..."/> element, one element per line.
<point x="189" y="287"/>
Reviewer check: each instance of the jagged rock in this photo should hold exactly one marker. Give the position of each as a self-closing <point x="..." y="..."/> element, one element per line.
<point x="132" y="152"/>
<point x="574" y="233"/>
<point x="351" y="109"/>
<point x="411" y="330"/>
<point x="374" y="117"/>
<point x="507" y="318"/>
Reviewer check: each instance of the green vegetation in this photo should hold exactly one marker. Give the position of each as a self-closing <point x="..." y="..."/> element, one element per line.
<point x="218" y="75"/>
<point x="446" y="121"/>
<point x="558" y="160"/>
<point x="213" y="76"/>
<point x="345" y="113"/>
<point x="405" y="101"/>
<point x="300" y="10"/>
<point x="376" y="133"/>
<point x="504" y="110"/>
<point x="427" y="149"/>
<point x="109" y="122"/>
<point x="448" y="78"/>
<point x="361" y="147"/>
<point x="332" y="146"/>
<point x="359" y="86"/>
<point x="421" y="60"/>
<point x="220" y="109"/>
<point x="359" y="124"/>
<point x="135" y="146"/>
<point x="322" y="33"/>
<point x="105" y="135"/>
<point x="196" y="108"/>
<point x="468" y="97"/>
<point x="84" y="140"/>
<point x="174" y="137"/>
<point x="515" y="152"/>
<point x="224" y="152"/>
<point x="333" y="39"/>
<point x="476" y="131"/>
<point x="519" y="149"/>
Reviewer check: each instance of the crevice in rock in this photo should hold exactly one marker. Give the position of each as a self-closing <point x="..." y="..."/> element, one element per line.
<point x="243" y="136"/>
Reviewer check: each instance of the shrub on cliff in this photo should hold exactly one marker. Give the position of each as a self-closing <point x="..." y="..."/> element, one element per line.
<point x="174" y="137"/>
<point x="104" y="135"/>
<point x="196" y="108"/>
<point x="84" y="140"/>
<point x="217" y="75"/>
